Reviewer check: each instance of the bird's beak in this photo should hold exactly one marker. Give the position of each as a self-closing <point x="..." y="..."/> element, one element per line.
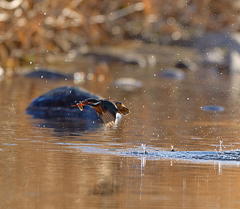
<point x="80" y="106"/>
<point x="122" y="109"/>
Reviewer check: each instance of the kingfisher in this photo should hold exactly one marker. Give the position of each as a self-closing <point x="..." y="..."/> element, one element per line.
<point x="107" y="110"/>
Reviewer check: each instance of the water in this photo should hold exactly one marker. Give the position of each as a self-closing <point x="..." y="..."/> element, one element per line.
<point x="47" y="164"/>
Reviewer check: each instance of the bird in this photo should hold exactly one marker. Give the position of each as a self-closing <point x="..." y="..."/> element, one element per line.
<point x="108" y="111"/>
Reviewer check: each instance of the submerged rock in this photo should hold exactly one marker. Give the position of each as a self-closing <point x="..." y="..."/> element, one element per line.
<point x="58" y="102"/>
<point x="128" y="84"/>
<point x="172" y="74"/>
<point x="212" y="108"/>
<point x="49" y="74"/>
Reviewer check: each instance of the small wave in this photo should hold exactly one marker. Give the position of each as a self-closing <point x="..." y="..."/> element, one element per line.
<point x="232" y="156"/>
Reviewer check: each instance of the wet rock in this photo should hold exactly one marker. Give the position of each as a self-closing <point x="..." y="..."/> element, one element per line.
<point x="181" y="65"/>
<point x="185" y="65"/>
<point x="212" y="108"/>
<point x="49" y="75"/>
<point x="128" y="84"/>
<point x="172" y="74"/>
<point x="58" y="102"/>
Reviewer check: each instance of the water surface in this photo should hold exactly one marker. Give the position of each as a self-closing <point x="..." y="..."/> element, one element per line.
<point x="48" y="164"/>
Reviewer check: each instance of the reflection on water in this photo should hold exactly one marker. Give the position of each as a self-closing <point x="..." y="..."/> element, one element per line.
<point x="62" y="127"/>
<point x="54" y="164"/>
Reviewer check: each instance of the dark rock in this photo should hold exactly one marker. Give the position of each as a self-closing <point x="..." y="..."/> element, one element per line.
<point x="58" y="102"/>
<point x="185" y="65"/>
<point x="181" y="65"/>
<point x="48" y="74"/>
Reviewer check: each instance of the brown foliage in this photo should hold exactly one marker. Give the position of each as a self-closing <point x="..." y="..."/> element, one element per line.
<point x="34" y="27"/>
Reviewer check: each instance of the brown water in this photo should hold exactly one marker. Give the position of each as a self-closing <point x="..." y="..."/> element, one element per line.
<point x="55" y="168"/>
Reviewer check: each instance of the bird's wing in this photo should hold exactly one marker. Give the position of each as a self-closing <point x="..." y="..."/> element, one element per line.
<point x="107" y="117"/>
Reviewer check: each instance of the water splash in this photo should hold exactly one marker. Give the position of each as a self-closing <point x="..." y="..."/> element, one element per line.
<point x="221" y="145"/>
<point x="144" y="148"/>
<point x="145" y="153"/>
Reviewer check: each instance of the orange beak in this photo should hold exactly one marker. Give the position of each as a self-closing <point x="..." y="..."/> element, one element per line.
<point x="79" y="105"/>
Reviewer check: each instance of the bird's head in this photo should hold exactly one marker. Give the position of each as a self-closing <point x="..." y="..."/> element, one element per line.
<point x="122" y="109"/>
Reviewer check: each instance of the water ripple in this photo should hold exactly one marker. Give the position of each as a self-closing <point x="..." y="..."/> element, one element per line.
<point x="232" y="156"/>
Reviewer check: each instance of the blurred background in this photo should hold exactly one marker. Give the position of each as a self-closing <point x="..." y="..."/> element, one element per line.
<point x="32" y="30"/>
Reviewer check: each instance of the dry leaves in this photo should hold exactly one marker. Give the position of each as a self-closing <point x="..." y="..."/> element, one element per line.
<point x="29" y="28"/>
